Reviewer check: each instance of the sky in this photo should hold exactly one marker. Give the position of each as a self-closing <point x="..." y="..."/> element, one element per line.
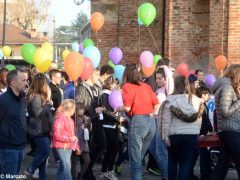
<point x="65" y="11"/>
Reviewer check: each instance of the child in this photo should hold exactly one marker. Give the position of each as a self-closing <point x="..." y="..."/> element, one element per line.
<point x="206" y="128"/>
<point x="84" y="126"/>
<point x="64" y="138"/>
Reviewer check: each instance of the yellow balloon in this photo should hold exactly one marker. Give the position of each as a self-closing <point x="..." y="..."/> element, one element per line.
<point x="47" y="46"/>
<point x="64" y="54"/>
<point x="42" y="59"/>
<point x="6" y="51"/>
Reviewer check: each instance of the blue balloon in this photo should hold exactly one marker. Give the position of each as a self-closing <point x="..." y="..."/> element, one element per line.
<point x="140" y="22"/>
<point x="94" y="54"/>
<point x="118" y="72"/>
<point x="75" y="47"/>
<point x="1" y="54"/>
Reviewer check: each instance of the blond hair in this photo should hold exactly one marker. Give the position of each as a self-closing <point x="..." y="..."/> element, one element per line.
<point x="233" y="73"/>
<point x="67" y="105"/>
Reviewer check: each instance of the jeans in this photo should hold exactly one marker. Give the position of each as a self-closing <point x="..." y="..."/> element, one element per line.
<point x="10" y="161"/>
<point x="40" y="157"/>
<point x="231" y="149"/>
<point x="205" y="163"/>
<point x="180" y="155"/>
<point x="141" y="131"/>
<point x="64" y="169"/>
<point x="158" y="149"/>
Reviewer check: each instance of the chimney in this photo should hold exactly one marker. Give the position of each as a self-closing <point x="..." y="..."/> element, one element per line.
<point x="45" y="36"/>
<point x="33" y="33"/>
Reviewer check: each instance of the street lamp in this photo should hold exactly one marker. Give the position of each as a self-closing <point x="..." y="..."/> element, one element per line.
<point x="4" y="27"/>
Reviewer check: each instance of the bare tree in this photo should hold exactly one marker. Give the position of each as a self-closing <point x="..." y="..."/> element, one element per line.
<point x="26" y="14"/>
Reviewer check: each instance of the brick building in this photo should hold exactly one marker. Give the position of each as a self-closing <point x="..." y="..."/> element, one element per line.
<point x="190" y="31"/>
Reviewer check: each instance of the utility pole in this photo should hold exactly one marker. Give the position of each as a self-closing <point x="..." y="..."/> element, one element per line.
<point x="54" y="40"/>
<point x="4" y="28"/>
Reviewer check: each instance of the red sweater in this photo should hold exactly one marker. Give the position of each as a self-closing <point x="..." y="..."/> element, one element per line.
<point x="63" y="130"/>
<point x="141" y="99"/>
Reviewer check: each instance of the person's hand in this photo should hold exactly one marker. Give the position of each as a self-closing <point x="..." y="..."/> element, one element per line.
<point x="122" y="119"/>
<point x="99" y="110"/>
<point x="78" y="152"/>
<point x="73" y="138"/>
<point x="167" y="141"/>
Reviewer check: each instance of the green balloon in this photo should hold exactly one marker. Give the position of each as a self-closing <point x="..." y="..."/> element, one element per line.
<point x="156" y="58"/>
<point x="88" y="42"/>
<point x="110" y="63"/>
<point x="10" y="67"/>
<point x="147" y="13"/>
<point x="27" y="52"/>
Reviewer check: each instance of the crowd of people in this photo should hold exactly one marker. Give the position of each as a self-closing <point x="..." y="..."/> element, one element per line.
<point x="163" y="115"/>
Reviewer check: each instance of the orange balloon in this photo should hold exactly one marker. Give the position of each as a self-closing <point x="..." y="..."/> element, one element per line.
<point x="73" y="65"/>
<point x="97" y="21"/>
<point x="220" y="62"/>
<point x="148" y="71"/>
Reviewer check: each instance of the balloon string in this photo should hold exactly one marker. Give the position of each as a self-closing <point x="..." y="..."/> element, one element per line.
<point x="97" y="38"/>
<point x="153" y="40"/>
<point x="139" y="39"/>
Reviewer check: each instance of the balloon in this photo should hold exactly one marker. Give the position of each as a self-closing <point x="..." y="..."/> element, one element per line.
<point x="111" y="64"/>
<point x="75" y="47"/>
<point x="146" y="58"/>
<point x="81" y="48"/>
<point x="47" y="46"/>
<point x="94" y="54"/>
<point x="42" y="59"/>
<point x="73" y="65"/>
<point x="6" y="51"/>
<point x="116" y="55"/>
<point x="27" y="53"/>
<point x="148" y="71"/>
<point x="10" y="67"/>
<point x="156" y="58"/>
<point x="87" y="70"/>
<point x="147" y="13"/>
<point x="115" y="99"/>
<point x="88" y="42"/>
<point x="210" y="79"/>
<point x="65" y="53"/>
<point x="1" y="54"/>
<point x="140" y="22"/>
<point x="118" y="72"/>
<point x="97" y="21"/>
<point x="182" y="69"/>
<point x="220" y="62"/>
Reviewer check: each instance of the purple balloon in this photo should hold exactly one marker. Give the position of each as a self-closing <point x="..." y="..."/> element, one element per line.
<point x="81" y="48"/>
<point x="210" y="80"/>
<point x="146" y="58"/>
<point x="115" y="99"/>
<point x="116" y="55"/>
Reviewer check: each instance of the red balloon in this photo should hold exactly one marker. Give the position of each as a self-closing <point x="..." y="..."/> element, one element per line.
<point x="88" y="69"/>
<point x="182" y="69"/>
<point x="191" y="71"/>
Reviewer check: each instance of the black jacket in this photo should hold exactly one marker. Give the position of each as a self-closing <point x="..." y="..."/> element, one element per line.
<point x="206" y="124"/>
<point x="13" y="133"/>
<point x="90" y="99"/>
<point x="56" y="95"/>
<point x="40" y="114"/>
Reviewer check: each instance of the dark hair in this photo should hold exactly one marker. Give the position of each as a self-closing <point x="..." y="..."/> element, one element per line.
<point x="163" y="61"/>
<point x="202" y="90"/>
<point x="160" y="70"/>
<point x="12" y="75"/>
<point x="197" y="71"/>
<point x="53" y="72"/>
<point x="192" y="78"/>
<point x="106" y="69"/>
<point x="3" y="70"/>
<point x="108" y="82"/>
<point x="65" y="76"/>
<point x="182" y="86"/>
<point x="131" y="75"/>
<point x="29" y="73"/>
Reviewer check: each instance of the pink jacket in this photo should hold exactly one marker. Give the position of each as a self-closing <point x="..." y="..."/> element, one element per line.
<point x="63" y="130"/>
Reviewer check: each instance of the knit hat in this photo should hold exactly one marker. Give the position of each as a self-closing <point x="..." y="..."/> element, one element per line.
<point x="192" y="78"/>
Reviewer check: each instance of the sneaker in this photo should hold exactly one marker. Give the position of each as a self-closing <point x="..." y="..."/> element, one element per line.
<point x="110" y="175"/>
<point x="154" y="171"/>
<point x="36" y="174"/>
<point x="118" y="169"/>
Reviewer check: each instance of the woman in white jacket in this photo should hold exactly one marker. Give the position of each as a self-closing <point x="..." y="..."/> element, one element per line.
<point x="180" y="123"/>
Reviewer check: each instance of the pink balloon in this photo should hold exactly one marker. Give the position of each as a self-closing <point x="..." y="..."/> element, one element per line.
<point x="115" y="99"/>
<point x="191" y="71"/>
<point x="182" y="69"/>
<point x="146" y="58"/>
